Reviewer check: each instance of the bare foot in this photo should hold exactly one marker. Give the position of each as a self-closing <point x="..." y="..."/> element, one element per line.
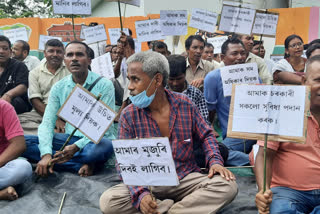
<point x="86" y="170"/>
<point x="8" y="193"/>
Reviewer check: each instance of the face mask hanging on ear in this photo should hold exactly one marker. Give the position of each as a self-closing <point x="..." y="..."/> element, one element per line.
<point x="141" y="100"/>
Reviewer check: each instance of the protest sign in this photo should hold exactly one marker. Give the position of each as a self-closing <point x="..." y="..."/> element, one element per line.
<point x="75" y="7"/>
<point x="240" y="3"/>
<point x="16" y="34"/>
<point x="81" y="31"/>
<point x="276" y="58"/>
<point x="131" y="2"/>
<point x="102" y="65"/>
<point x="43" y="39"/>
<point x="83" y="111"/>
<point x="146" y="162"/>
<point x="114" y="34"/>
<point x="203" y="20"/>
<point x="265" y="24"/>
<point x="217" y="43"/>
<point x="238" y="74"/>
<point x="279" y="111"/>
<point x="237" y="20"/>
<point x="149" y="30"/>
<point x="174" y="22"/>
<point x="137" y="46"/>
<point x="95" y="34"/>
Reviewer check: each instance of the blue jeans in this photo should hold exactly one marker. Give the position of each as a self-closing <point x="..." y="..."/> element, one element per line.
<point x="238" y="151"/>
<point x="15" y="172"/>
<point x="289" y="201"/>
<point x="91" y="153"/>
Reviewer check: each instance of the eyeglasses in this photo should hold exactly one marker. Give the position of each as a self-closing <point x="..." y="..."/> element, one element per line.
<point x="296" y="45"/>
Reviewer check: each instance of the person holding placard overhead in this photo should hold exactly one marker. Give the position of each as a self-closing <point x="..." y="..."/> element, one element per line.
<point x="197" y="68"/>
<point x="264" y="74"/>
<point x="80" y="155"/>
<point x="232" y="52"/>
<point x="290" y="69"/>
<point x="293" y="169"/>
<point x="158" y="112"/>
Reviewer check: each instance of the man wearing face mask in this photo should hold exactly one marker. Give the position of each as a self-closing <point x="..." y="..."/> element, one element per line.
<point x="158" y="112"/>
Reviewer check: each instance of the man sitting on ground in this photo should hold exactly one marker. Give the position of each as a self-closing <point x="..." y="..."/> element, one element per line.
<point x="13" y="78"/>
<point x="20" y="51"/>
<point x="41" y="79"/>
<point x="293" y="169"/>
<point x="80" y="155"/>
<point x="232" y="53"/>
<point x="157" y="112"/>
<point x="13" y="171"/>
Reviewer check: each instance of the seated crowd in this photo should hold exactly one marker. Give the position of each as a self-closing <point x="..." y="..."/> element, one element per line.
<point x="153" y="93"/>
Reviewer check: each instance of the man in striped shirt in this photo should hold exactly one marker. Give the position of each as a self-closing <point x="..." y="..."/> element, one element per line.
<point x="157" y="112"/>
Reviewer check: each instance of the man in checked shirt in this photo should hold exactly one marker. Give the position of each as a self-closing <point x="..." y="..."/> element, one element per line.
<point x="157" y="112"/>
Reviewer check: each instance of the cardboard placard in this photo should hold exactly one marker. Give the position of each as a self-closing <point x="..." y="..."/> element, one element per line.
<point x="149" y="30"/>
<point x="75" y="7"/>
<point x="203" y="20"/>
<point x="16" y="34"/>
<point x="146" y="162"/>
<point x="174" y="22"/>
<point x="237" y="20"/>
<point x="279" y="111"/>
<point x="83" y="111"/>
<point x="265" y="24"/>
<point x="238" y="74"/>
<point x="43" y="39"/>
<point x="102" y="65"/>
<point x="95" y="34"/>
<point x="217" y="43"/>
<point x="114" y="34"/>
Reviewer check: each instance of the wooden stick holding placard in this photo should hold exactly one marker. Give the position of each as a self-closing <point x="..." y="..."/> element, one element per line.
<point x="74" y="32"/>
<point x="265" y="162"/>
<point x="120" y="15"/>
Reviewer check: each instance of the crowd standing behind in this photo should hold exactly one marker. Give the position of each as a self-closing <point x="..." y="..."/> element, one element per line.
<point x="164" y="90"/>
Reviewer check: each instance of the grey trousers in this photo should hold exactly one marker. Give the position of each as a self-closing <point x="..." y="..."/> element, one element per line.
<point x="195" y="194"/>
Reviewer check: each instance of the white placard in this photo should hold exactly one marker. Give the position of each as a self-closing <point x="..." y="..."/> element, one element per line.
<point x="149" y="30"/>
<point x="81" y="31"/>
<point x="265" y="24"/>
<point x="99" y="48"/>
<point x="203" y="20"/>
<point x="267" y="109"/>
<point x="102" y="65"/>
<point x="16" y="34"/>
<point x="238" y="74"/>
<point x="235" y="19"/>
<point x="76" y="7"/>
<point x="83" y="111"/>
<point x="95" y="34"/>
<point x="276" y="58"/>
<point x="174" y="22"/>
<point x="146" y="162"/>
<point x="137" y="46"/>
<point x="217" y="43"/>
<point x="240" y="4"/>
<point x="43" y="39"/>
<point x="131" y="2"/>
<point x="114" y="34"/>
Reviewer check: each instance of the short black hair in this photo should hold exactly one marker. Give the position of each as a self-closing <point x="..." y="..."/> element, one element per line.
<point x="113" y="46"/>
<point x="191" y="38"/>
<point x="53" y="43"/>
<point x="232" y="40"/>
<point x="5" y="39"/>
<point x="289" y="38"/>
<point x="257" y="42"/>
<point x="91" y="53"/>
<point x="208" y="45"/>
<point x="313" y="42"/>
<point x="177" y="65"/>
<point x="84" y="44"/>
<point x="131" y="42"/>
<point x="25" y="45"/>
<point x="312" y="48"/>
<point x="160" y="45"/>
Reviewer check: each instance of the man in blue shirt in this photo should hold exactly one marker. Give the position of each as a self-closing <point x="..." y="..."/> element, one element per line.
<point x="80" y="155"/>
<point x="232" y="53"/>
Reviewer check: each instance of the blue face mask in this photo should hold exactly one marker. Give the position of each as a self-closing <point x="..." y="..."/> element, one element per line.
<point x="141" y="100"/>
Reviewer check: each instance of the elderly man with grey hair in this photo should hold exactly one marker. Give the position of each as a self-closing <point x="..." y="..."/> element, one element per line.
<point x="158" y="112"/>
